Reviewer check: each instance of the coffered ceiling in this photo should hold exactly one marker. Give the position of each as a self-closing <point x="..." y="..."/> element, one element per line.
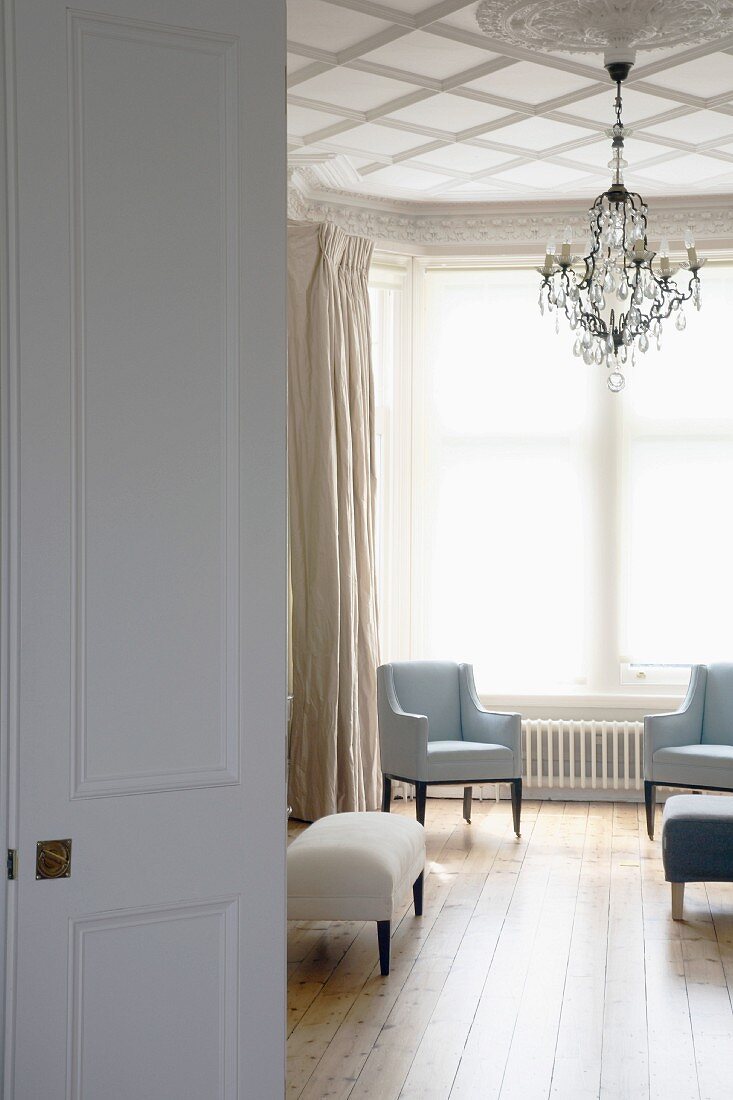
<point x="410" y="102"/>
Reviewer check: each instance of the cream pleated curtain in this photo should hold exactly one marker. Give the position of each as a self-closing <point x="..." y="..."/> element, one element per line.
<point x="333" y="741"/>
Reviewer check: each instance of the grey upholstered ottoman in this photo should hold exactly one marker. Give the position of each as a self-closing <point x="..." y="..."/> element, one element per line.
<point x="697" y="842"/>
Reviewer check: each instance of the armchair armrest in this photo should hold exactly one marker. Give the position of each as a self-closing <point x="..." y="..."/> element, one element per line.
<point x="490" y="727"/>
<point x="403" y="738"/>
<point x="683" y="727"/>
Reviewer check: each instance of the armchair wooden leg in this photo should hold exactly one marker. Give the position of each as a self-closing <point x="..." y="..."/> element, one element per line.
<point x="678" y="899"/>
<point x="383" y="936"/>
<point x="467" y="796"/>
<point x="421" y="793"/>
<point x="386" y="794"/>
<point x="517" y="805"/>
<point x="649" y="801"/>
<point x="417" y="892"/>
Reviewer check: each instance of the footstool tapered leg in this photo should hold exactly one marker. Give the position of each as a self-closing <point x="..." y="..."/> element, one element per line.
<point x="383" y="935"/>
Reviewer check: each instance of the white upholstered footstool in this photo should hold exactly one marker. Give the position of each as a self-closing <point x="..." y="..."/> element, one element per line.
<point x="357" y="866"/>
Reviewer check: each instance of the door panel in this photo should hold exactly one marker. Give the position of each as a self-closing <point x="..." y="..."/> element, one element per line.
<point x="155" y="292"/>
<point x="144" y="549"/>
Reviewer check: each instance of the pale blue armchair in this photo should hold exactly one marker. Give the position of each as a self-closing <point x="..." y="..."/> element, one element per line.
<point x="694" y="746"/>
<point x="433" y="729"/>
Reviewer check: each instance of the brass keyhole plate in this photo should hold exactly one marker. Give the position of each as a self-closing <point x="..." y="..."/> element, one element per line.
<point x="53" y="859"/>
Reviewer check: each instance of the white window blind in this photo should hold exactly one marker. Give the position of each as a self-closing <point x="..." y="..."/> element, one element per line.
<point x="678" y="498"/>
<point x="505" y="484"/>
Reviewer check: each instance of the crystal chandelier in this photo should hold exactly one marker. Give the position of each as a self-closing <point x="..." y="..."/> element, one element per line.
<point x="619" y="295"/>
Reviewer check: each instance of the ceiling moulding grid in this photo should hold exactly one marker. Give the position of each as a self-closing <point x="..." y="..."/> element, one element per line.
<point x="408" y="103"/>
<point x="507" y="228"/>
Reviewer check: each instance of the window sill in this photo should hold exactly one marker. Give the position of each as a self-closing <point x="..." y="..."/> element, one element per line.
<point x="618" y="706"/>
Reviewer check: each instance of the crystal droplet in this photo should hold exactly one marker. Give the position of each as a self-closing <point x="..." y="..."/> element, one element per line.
<point x="681" y="322"/>
<point x="638" y="295"/>
<point x="644" y="343"/>
<point x="598" y="355"/>
<point x="577" y="348"/>
<point x="623" y="290"/>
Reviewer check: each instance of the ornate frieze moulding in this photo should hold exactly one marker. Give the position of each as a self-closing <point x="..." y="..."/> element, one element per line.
<point x="522" y="227"/>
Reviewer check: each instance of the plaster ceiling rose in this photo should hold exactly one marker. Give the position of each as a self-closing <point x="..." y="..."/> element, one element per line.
<point x="582" y="26"/>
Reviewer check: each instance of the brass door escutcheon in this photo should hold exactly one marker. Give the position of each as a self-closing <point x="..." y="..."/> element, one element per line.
<point x="53" y="859"/>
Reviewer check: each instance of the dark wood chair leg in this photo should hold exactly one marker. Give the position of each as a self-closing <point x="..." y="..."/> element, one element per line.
<point x="383" y="935"/>
<point x="649" y="802"/>
<point x="517" y="805"/>
<point x="421" y="794"/>
<point x="467" y="796"/>
<point x="417" y="888"/>
<point x="386" y="794"/>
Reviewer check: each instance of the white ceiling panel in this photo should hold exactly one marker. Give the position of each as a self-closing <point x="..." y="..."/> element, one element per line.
<point x="368" y="56"/>
<point x="302" y="120"/>
<point x="464" y="18"/>
<point x="450" y="113"/>
<point x="430" y="56"/>
<point x="529" y="83"/>
<point x="409" y="179"/>
<point x="371" y="138"/>
<point x="687" y="170"/>
<point x="705" y="77"/>
<point x="459" y="157"/>
<point x="296" y="62"/>
<point x="552" y="176"/>
<point x="539" y="134"/>
<point x="328" y="27"/>
<point x="354" y="90"/>
<point x="695" y="128"/>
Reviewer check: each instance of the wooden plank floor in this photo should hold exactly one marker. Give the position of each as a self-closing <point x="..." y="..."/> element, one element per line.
<point x="543" y="967"/>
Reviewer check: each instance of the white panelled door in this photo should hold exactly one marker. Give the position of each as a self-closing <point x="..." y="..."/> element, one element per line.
<point x="144" y="548"/>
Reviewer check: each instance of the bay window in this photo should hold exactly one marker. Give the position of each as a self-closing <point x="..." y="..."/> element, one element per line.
<point x="563" y="539"/>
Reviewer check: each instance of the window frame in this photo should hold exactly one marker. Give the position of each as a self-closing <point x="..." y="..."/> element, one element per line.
<point x="613" y="680"/>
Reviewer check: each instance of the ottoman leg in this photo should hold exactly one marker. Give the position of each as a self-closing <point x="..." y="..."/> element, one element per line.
<point x="417" y="893"/>
<point x="467" y="796"/>
<point x="678" y="899"/>
<point x="383" y="935"/>
<point x="386" y="794"/>
<point x="649" y="800"/>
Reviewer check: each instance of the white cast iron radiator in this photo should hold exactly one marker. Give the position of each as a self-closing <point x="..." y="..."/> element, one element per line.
<point x="582" y="755"/>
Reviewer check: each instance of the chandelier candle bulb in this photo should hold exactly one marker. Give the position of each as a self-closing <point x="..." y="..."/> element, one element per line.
<point x="664" y="257"/>
<point x="691" y="251"/>
<point x="549" y="257"/>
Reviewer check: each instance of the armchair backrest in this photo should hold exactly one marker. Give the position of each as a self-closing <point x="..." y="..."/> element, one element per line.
<point x="431" y="688"/>
<point x="717" y="719"/>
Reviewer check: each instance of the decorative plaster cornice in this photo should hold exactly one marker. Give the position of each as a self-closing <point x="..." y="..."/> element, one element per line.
<point x="500" y="226"/>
